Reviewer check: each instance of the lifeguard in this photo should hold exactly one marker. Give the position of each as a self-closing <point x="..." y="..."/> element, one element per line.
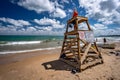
<point x="75" y="14"/>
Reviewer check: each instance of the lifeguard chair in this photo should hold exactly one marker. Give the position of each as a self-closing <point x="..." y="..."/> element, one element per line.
<point x="79" y="48"/>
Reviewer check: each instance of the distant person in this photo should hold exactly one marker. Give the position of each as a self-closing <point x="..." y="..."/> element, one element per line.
<point x="104" y="40"/>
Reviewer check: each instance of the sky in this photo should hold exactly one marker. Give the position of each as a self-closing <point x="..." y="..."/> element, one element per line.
<point x="49" y="17"/>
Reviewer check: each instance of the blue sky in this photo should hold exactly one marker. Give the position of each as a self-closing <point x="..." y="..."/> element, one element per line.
<point x="48" y="17"/>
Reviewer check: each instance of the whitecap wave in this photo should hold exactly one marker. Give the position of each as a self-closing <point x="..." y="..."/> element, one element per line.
<point x="21" y="43"/>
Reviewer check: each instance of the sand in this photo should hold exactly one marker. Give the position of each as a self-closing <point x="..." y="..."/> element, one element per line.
<point x="45" y="65"/>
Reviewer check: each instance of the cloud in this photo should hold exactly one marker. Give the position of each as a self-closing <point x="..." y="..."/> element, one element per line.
<point x="70" y="10"/>
<point x="101" y="29"/>
<point x="59" y="13"/>
<point x="46" y="26"/>
<point x="39" y="6"/>
<point x="15" y="22"/>
<point x="65" y="1"/>
<point x="107" y="32"/>
<point x="31" y="30"/>
<point x="104" y="11"/>
<point x="98" y="26"/>
<point x="51" y="22"/>
<point x="107" y="5"/>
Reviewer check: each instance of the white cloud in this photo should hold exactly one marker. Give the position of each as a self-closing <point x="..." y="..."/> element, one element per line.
<point x="47" y="27"/>
<point x="100" y="29"/>
<point x="31" y="30"/>
<point x="55" y="9"/>
<point x="70" y="10"/>
<point x="56" y="4"/>
<point x="52" y="22"/>
<point x="37" y="5"/>
<point x="99" y="26"/>
<point x="104" y="11"/>
<point x="15" y="22"/>
<point x="58" y="12"/>
<point x="107" y="32"/>
<point x="65" y="1"/>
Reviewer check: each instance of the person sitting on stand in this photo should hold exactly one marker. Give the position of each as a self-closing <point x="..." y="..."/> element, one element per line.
<point x="75" y="14"/>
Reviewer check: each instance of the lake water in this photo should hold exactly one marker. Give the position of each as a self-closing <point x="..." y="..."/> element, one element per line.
<point x="24" y="43"/>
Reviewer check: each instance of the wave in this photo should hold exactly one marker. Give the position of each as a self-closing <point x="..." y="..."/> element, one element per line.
<point x="20" y="43"/>
<point x="22" y="51"/>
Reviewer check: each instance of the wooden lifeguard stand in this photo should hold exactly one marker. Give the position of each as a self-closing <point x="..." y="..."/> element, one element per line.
<point x="79" y="48"/>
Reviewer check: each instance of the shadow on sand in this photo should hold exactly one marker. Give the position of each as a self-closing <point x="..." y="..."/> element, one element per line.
<point x="57" y="65"/>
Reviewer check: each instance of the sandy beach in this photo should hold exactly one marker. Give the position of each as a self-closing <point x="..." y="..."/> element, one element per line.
<point x="45" y="65"/>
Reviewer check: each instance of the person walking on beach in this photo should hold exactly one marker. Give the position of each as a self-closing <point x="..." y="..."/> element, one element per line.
<point x="104" y="40"/>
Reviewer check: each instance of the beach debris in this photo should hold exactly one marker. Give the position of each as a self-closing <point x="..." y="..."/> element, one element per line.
<point x="110" y="78"/>
<point x="75" y="54"/>
<point x="73" y="71"/>
<point x="117" y="52"/>
<point x="107" y="45"/>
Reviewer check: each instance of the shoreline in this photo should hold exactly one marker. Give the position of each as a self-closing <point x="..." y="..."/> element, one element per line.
<point x="11" y="58"/>
<point x="48" y="48"/>
<point x="23" y="51"/>
<point x="29" y="47"/>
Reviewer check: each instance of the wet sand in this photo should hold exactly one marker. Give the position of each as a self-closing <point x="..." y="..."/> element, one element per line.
<point x="45" y="65"/>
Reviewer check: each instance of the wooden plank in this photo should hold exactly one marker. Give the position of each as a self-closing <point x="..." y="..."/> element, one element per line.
<point x="84" y="46"/>
<point x="68" y="52"/>
<point x="78" y="17"/>
<point x="95" y="55"/>
<point x="83" y="30"/>
<point x="74" y="38"/>
<point x="67" y="28"/>
<point x="71" y="45"/>
<point x="71" y="33"/>
<point x="85" y="42"/>
<point x="85" y="54"/>
<point x="76" y="56"/>
<point x="82" y="20"/>
<point x="69" y="41"/>
<point x="88" y="25"/>
<point x="84" y="66"/>
<point x="96" y="46"/>
<point x="63" y="46"/>
<point x="79" y="48"/>
<point x="63" y="50"/>
<point x="73" y="55"/>
<point x="95" y="50"/>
